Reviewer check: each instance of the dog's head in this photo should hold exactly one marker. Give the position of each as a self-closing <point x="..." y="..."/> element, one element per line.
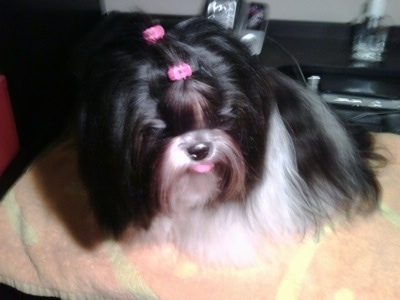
<point x="149" y="144"/>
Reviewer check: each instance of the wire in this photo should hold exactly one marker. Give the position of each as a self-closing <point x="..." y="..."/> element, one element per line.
<point x="299" y="72"/>
<point x="372" y="114"/>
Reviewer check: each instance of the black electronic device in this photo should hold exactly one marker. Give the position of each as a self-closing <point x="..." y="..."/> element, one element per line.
<point x="225" y="12"/>
<point x="252" y="25"/>
<point x="247" y="19"/>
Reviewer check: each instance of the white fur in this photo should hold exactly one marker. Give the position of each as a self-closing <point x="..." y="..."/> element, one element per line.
<point x="229" y="232"/>
<point x="233" y="232"/>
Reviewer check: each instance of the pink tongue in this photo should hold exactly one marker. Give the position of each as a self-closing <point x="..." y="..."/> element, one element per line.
<point x="203" y="168"/>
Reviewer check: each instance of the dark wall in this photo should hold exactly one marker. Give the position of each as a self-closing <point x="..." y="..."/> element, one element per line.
<point x="36" y="38"/>
<point x="36" y="41"/>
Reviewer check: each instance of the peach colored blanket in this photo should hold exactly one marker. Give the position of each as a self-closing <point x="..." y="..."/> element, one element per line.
<point x="50" y="245"/>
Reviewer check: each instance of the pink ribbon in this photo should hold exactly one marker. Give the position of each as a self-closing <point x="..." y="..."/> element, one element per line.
<point x="153" y="34"/>
<point x="181" y="71"/>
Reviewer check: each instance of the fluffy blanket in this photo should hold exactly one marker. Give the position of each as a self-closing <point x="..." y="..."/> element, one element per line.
<point x="50" y="245"/>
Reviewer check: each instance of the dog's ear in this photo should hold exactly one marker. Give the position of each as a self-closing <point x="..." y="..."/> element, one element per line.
<point x="328" y="157"/>
<point x="117" y="188"/>
<point x="117" y="184"/>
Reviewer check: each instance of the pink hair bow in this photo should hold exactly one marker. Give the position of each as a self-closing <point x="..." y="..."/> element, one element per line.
<point x="179" y="72"/>
<point x="153" y="34"/>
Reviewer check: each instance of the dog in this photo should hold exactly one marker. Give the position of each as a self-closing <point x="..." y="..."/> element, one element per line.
<point x="188" y="139"/>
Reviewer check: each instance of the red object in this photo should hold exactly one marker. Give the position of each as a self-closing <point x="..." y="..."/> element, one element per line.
<point x="9" y="143"/>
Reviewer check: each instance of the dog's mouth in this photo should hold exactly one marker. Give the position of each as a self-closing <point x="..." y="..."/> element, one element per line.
<point x="206" y="166"/>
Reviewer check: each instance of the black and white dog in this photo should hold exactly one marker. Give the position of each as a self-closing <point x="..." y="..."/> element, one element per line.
<point x="186" y="137"/>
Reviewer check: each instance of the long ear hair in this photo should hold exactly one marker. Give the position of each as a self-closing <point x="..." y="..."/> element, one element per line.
<point x="331" y="162"/>
<point x="124" y="121"/>
<point x="110" y="86"/>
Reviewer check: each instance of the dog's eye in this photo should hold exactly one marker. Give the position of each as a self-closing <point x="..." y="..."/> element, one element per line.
<point x="226" y="116"/>
<point x="157" y="124"/>
<point x="152" y="130"/>
<point x="226" y="112"/>
<point x="226" y="122"/>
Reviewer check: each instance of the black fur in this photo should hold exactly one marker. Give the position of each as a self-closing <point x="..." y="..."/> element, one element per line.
<point x="130" y="111"/>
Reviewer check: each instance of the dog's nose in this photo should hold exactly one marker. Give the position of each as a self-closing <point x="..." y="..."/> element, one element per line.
<point x="198" y="151"/>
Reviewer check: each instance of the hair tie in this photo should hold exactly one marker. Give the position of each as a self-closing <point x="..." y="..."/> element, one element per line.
<point x="153" y="34"/>
<point x="179" y="72"/>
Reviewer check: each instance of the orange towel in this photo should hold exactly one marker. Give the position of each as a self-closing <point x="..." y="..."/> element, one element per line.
<point x="50" y="245"/>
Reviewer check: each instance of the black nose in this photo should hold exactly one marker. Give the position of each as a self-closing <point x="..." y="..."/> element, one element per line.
<point x="199" y="151"/>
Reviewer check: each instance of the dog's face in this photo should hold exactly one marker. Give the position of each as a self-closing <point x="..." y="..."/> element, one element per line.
<point x="150" y="145"/>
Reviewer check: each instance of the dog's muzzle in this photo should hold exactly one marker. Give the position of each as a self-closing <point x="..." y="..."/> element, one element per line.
<point x="198" y="153"/>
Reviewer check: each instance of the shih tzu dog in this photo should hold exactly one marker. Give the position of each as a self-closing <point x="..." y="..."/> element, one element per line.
<point x="186" y="137"/>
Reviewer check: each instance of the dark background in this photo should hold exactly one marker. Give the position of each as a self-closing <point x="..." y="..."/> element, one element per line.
<point x="36" y="41"/>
